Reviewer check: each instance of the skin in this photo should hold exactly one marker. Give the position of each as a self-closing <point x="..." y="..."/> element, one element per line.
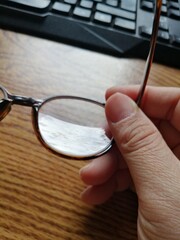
<point x="145" y="157"/>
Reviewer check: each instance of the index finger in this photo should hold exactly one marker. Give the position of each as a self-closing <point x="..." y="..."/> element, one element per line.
<point x="158" y="102"/>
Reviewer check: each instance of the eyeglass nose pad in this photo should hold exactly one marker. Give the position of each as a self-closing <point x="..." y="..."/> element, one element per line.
<point x="5" y="107"/>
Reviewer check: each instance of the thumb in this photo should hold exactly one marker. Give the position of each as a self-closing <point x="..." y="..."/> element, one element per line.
<point x="149" y="159"/>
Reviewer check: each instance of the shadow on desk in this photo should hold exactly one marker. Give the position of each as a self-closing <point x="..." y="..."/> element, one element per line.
<point x="111" y="220"/>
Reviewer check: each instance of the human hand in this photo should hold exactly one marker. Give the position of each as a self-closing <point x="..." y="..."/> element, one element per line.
<point x="146" y="155"/>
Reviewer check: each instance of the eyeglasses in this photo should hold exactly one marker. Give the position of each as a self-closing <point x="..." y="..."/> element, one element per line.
<point x="70" y="126"/>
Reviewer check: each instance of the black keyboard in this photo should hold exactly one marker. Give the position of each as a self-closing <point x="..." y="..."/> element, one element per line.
<point x="118" y="27"/>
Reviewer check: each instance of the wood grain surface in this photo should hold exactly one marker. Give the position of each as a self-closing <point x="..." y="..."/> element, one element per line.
<point x="39" y="192"/>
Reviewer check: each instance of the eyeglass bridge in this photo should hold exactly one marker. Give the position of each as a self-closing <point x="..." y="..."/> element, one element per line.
<point x="5" y="104"/>
<point x="24" y="101"/>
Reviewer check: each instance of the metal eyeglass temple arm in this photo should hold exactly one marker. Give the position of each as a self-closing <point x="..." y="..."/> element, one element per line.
<point x="151" y="51"/>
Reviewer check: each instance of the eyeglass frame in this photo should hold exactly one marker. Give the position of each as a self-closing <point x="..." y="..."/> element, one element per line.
<point x="36" y="104"/>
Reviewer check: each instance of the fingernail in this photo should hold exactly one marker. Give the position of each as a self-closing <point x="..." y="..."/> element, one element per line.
<point x="85" y="168"/>
<point x="119" y="107"/>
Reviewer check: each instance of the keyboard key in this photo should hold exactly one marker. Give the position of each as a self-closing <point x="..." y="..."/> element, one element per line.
<point x="125" y="24"/>
<point x="113" y="3"/>
<point x="61" y="7"/>
<point x="145" y="31"/>
<point x="163" y="23"/>
<point x="129" y="5"/>
<point x="70" y="1"/>
<point x="102" y="18"/>
<point x="86" y="4"/>
<point x="175" y="14"/>
<point x="146" y="5"/>
<point x="82" y="13"/>
<point x="115" y="11"/>
<point x="164" y="10"/>
<point x="163" y="36"/>
<point x="35" y="5"/>
<point x="174" y="5"/>
<point x="176" y="40"/>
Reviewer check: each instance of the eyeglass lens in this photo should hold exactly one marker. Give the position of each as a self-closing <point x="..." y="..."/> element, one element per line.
<point x="74" y="127"/>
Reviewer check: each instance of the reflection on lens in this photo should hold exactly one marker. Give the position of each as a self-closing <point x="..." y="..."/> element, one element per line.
<point x="74" y="127"/>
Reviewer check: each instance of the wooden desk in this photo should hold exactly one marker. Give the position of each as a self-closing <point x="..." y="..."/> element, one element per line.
<point x="39" y="192"/>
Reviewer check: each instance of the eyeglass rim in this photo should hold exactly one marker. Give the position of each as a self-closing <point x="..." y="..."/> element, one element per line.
<point x="35" y="120"/>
